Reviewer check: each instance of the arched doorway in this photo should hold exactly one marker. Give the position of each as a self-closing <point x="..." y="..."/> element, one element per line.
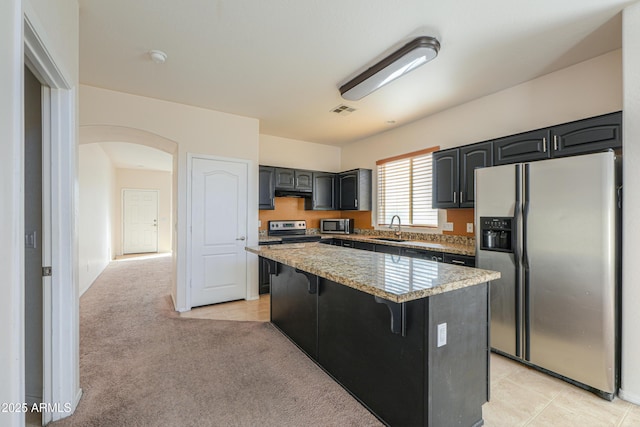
<point x="139" y="159"/>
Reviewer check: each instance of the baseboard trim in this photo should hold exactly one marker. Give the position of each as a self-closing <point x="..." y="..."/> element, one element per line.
<point x="629" y="397"/>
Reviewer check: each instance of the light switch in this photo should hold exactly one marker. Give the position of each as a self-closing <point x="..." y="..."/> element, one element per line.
<point x="447" y="226"/>
<point x="30" y="240"/>
<point x="442" y="334"/>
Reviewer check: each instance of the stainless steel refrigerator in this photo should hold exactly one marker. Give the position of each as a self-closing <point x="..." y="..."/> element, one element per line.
<point x="550" y="227"/>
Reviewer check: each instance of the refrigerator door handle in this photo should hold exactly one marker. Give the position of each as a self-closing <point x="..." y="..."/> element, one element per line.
<point x="517" y="217"/>
<point x="525" y="264"/>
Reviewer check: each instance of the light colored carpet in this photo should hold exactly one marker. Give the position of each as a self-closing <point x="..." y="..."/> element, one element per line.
<point x="142" y="365"/>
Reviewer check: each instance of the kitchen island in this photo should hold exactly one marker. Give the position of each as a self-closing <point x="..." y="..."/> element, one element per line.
<point x="407" y="337"/>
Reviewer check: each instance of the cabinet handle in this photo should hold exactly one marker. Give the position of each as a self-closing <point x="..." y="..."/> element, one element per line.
<point x="544" y="144"/>
<point x="241" y="238"/>
<point x="455" y="261"/>
<point x="461" y="198"/>
<point x="455" y="194"/>
<point x="555" y="142"/>
<point x="356" y="203"/>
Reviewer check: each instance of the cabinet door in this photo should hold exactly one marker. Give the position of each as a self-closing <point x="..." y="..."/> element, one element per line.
<point x="445" y="179"/>
<point x="285" y="179"/>
<point x="267" y="188"/>
<point x="589" y="135"/>
<point x="304" y="180"/>
<point x="349" y="191"/>
<point x="524" y="147"/>
<point x="472" y="157"/>
<point x="324" y="192"/>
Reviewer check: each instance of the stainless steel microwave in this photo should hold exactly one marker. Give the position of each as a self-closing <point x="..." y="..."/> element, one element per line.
<point x="337" y="226"/>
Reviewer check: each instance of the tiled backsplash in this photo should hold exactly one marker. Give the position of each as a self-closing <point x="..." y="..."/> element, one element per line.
<point x="291" y="208"/>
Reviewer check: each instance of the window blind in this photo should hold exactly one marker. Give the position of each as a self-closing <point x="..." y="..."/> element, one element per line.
<point x="404" y="189"/>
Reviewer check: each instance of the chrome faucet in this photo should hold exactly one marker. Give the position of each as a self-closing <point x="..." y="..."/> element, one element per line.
<point x="397" y="233"/>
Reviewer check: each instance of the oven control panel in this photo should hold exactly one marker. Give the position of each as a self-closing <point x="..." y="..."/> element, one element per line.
<point x="290" y="227"/>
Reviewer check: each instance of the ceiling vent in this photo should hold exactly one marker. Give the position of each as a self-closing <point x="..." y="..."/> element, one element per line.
<point x="343" y="110"/>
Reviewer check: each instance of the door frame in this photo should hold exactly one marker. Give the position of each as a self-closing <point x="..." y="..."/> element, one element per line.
<point x="123" y="210"/>
<point x="61" y="383"/>
<point x="188" y="258"/>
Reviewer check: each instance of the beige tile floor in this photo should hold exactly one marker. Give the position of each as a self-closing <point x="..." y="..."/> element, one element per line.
<point x="520" y="396"/>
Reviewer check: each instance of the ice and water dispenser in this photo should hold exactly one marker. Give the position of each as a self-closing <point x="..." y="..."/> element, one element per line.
<point x="497" y="234"/>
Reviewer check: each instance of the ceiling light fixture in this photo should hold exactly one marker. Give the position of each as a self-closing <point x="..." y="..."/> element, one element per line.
<point x="158" y="56"/>
<point x="412" y="55"/>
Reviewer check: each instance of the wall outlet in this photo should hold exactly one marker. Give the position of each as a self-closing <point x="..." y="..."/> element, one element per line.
<point x="469" y="227"/>
<point x="442" y="334"/>
<point x="259" y="223"/>
<point x="447" y="226"/>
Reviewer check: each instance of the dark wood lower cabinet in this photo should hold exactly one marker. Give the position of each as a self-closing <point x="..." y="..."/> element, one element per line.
<point x="403" y="373"/>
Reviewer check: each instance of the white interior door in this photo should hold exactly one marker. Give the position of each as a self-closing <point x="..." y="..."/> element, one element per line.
<point x="218" y="231"/>
<point x="140" y="221"/>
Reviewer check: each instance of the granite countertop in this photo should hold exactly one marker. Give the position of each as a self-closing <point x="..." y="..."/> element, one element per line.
<point x="452" y="248"/>
<point x="392" y="277"/>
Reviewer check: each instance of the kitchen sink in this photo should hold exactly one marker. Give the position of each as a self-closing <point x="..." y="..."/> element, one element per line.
<point x="389" y="239"/>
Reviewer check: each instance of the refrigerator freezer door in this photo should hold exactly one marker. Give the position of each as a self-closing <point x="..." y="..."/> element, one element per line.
<point x="496" y="195"/>
<point x="570" y="238"/>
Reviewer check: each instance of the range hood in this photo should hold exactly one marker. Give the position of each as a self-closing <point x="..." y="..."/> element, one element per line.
<point x="293" y="193"/>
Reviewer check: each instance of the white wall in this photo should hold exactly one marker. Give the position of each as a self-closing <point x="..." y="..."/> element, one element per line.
<point x="630" y="389"/>
<point x="56" y="24"/>
<point x="96" y="183"/>
<point x="195" y="130"/>
<point x="11" y="210"/>
<point x="276" y="151"/>
<point x="147" y="180"/>
<point x="586" y="89"/>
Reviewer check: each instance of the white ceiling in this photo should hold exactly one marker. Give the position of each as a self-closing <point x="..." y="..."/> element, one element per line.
<point x="125" y="155"/>
<point x="282" y="61"/>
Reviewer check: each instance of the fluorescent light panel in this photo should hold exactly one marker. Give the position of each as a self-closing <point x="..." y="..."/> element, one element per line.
<point x="408" y="58"/>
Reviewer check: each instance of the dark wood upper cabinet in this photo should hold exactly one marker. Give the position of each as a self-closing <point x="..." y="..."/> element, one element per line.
<point x="324" y="195"/>
<point x="304" y="180"/>
<point x="445" y="179"/>
<point x="350" y="190"/>
<point x="454" y="176"/>
<point x="523" y="147"/>
<point x="355" y="190"/>
<point x="294" y="180"/>
<point x="472" y="157"/>
<point x="285" y="179"/>
<point x="267" y="188"/>
<point x="589" y="135"/>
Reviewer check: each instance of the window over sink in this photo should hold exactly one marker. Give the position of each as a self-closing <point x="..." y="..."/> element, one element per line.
<point x="404" y="189"/>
